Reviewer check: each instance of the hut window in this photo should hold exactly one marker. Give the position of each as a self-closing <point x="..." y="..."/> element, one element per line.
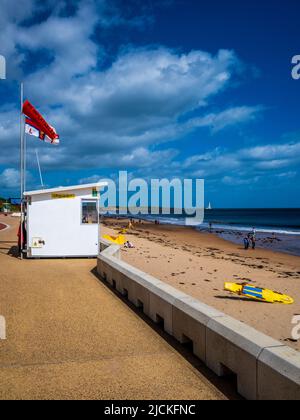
<point x="89" y="214"/>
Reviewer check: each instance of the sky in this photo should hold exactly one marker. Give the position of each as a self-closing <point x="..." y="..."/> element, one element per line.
<point x="160" y="88"/>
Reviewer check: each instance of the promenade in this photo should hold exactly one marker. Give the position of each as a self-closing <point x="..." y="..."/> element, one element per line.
<point x="70" y="337"/>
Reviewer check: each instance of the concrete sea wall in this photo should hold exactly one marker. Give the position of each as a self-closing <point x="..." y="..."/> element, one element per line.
<point x="265" y="368"/>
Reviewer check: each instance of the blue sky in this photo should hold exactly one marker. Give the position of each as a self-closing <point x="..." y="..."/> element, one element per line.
<point x="169" y="88"/>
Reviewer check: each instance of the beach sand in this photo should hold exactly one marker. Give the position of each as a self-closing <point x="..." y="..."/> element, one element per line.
<point x="199" y="264"/>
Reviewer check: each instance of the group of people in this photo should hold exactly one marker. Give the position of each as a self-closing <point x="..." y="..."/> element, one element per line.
<point x="250" y="240"/>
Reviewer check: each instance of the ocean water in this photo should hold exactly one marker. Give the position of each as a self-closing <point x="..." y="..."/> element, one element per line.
<point x="280" y="221"/>
<point x="276" y="229"/>
<point x="285" y="221"/>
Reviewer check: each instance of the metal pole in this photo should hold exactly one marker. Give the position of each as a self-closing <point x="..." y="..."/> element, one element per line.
<point x="39" y="166"/>
<point x="22" y="165"/>
<point x="25" y="163"/>
<point x="98" y="212"/>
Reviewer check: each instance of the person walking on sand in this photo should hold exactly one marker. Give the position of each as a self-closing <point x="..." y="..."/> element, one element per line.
<point x="246" y="243"/>
<point x="253" y="242"/>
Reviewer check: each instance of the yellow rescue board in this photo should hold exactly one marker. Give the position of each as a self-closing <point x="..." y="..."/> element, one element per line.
<point x="118" y="240"/>
<point x="258" y="293"/>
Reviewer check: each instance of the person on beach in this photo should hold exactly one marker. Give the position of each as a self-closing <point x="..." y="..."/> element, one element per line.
<point x="252" y="239"/>
<point x="129" y="245"/>
<point x="246" y="243"/>
<point x="210" y="227"/>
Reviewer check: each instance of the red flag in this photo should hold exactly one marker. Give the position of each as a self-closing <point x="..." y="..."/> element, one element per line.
<point x="33" y="129"/>
<point x="40" y="123"/>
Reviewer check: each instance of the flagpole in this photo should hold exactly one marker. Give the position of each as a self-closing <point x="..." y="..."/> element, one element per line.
<point x="22" y="166"/>
<point x="25" y="155"/>
<point x="39" y="166"/>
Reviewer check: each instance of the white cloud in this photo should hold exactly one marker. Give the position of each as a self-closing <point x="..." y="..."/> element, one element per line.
<point x="287" y="150"/>
<point x="135" y="103"/>
<point x="245" y="165"/>
<point x="287" y="175"/>
<point x="10" y="181"/>
<point x="12" y="17"/>
<point x="74" y="52"/>
<point x="90" y="180"/>
<point x="119" y="114"/>
<point x="238" y="181"/>
<point x="229" y="117"/>
<point x="10" y="178"/>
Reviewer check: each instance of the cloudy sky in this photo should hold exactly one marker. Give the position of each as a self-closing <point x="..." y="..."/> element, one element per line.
<point x="161" y="88"/>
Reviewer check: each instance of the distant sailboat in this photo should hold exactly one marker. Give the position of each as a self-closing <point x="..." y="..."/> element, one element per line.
<point x="209" y="206"/>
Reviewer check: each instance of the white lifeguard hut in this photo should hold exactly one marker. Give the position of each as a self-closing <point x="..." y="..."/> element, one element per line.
<point x="63" y="222"/>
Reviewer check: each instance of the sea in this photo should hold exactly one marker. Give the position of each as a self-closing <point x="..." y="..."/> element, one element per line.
<point x="280" y="221"/>
<point x="276" y="229"/>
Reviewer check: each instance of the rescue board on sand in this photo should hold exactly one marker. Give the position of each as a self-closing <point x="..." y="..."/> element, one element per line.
<point x="258" y="293"/>
<point x="118" y="240"/>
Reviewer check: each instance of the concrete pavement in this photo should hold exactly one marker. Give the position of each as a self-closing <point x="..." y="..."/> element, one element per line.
<point x="69" y="337"/>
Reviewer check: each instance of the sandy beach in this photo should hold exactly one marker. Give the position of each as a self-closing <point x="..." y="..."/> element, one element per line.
<point x="199" y="264"/>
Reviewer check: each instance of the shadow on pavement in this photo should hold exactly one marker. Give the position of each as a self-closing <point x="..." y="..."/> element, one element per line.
<point x="226" y="385"/>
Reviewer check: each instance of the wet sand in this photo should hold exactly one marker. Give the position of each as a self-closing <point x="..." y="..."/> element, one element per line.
<point x="199" y="264"/>
<point x="70" y="337"/>
<point x="279" y="242"/>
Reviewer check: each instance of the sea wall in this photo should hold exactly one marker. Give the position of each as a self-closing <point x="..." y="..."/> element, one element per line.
<point x="265" y="368"/>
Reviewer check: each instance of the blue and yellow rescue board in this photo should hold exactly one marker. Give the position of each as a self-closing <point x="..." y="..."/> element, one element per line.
<point x="258" y="293"/>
